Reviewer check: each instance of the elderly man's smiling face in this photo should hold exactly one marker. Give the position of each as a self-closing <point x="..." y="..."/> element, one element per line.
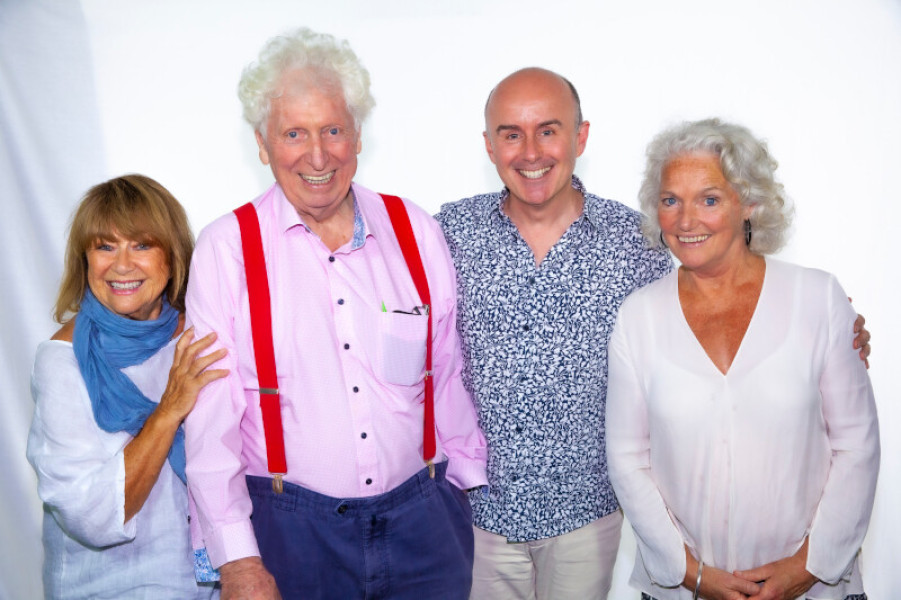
<point x="311" y="144"/>
<point x="532" y="136"/>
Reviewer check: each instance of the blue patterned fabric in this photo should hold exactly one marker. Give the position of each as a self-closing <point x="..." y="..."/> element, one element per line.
<point x="535" y="356"/>
<point x="203" y="568"/>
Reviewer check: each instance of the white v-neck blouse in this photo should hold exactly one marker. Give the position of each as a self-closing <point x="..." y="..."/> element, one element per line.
<point x="742" y="467"/>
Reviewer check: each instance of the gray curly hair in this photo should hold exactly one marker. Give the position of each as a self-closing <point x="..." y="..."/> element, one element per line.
<point x="746" y="164"/>
<point x="328" y="59"/>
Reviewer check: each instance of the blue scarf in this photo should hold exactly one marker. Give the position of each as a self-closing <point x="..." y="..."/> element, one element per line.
<point x="104" y="344"/>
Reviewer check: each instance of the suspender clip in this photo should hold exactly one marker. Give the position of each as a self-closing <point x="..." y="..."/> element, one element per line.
<point x="431" y="468"/>
<point x="277" y="485"/>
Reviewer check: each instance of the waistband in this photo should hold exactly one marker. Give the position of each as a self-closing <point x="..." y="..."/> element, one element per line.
<point x="295" y="497"/>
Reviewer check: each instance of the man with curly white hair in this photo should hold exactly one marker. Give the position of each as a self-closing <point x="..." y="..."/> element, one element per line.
<point x="337" y="471"/>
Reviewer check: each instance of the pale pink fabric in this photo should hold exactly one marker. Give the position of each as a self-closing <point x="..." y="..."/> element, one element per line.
<point x="350" y="368"/>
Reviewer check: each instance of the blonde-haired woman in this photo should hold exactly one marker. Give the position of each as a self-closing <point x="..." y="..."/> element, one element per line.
<point x="111" y="389"/>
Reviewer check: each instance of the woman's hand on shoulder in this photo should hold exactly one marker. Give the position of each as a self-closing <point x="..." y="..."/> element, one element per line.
<point x="189" y="374"/>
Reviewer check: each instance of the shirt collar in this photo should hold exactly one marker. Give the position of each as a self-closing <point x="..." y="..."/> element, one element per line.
<point x="287" y="217"/>
<point x="361" y="227"/>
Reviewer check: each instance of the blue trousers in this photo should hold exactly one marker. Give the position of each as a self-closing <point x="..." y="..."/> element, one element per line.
<point x="414" y="542"/>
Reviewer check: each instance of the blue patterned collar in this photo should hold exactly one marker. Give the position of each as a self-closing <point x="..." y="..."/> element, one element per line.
<point x="589" y="209"/>
<point x="360" y="228"/>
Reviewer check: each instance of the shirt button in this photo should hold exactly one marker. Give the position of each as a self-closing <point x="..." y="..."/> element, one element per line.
<point x="532" y="280"/>
<point x="347" y="346"/>
<point x="518" y="429"/>
<point x="356" y="389"/>
<point x="331" y="259"/>
<point x="340" y="300"/>
<point x="368" y="482"/>
<point x="363" y="435"/>
<point x="525" y="327"/>
<point x="342" y="509"/>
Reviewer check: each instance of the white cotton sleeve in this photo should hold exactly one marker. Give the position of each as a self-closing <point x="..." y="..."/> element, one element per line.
<point x="80" y="468"/>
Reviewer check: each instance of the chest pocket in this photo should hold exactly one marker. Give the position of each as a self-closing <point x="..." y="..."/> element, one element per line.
<point x="401" y="347"/>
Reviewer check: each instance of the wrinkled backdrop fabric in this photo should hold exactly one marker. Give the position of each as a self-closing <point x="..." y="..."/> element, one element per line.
<point x="93" y="89"/>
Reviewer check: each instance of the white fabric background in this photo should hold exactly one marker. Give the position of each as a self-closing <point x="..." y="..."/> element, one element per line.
<point x="98" y="88"/>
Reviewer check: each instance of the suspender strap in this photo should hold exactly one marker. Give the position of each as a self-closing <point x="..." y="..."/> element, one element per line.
<point x="261" y="327"/>
<point x="400" y="220"/>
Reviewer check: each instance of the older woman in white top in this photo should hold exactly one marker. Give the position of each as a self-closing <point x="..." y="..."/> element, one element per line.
<point x="742" y="436"/>
<point x="111" y="389"/>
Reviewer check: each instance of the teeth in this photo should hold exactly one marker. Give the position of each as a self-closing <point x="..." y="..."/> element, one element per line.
<point x="534" y="174"/>
<point x="124" y="285"/>
<point x="324" y="179"/>
<point x="691" y="240"/>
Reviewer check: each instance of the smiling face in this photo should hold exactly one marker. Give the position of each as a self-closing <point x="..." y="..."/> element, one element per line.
<point x="128" y="277"/>
<point x="700" y="214"/>
<point x="311" y="144"/>
<point x="532" y="137"/>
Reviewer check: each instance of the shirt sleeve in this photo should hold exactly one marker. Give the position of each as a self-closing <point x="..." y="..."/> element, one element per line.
<point x="213" y="441"/>
<point x="455" y="415"/>
<point x="656" y="263"/>
<point x="80" y="468"/>
<point x="660" y="544"/>
<point x="849" y="409"/>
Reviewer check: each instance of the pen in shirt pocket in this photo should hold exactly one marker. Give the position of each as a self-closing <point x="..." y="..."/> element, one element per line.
<point x="416" y="310"/>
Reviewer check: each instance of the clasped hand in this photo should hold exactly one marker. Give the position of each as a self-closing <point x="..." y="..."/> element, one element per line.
<point x="784" y="579"/>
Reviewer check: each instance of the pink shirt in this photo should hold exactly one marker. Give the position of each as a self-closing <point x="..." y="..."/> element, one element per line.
<point x="350" y="369"/>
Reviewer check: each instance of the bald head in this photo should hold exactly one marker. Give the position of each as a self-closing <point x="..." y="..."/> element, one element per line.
<point x="535" y="81"/>
<point x="534" y="133"/>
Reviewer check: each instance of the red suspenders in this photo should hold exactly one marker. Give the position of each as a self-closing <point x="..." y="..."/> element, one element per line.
<point x="261" y="328"/>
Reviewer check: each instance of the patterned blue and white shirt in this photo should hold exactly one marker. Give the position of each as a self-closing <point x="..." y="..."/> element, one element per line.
<point x="535" y="356"/>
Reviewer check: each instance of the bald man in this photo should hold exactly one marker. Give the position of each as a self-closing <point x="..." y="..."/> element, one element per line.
<point x="542" y="268"/>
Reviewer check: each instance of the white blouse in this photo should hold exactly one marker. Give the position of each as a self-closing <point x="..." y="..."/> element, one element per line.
<point x="742" y="467"/>
<point x="89" y="551"/>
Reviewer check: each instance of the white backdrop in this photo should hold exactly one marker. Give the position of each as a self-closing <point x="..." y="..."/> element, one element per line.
<point x="98" y="88"/>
